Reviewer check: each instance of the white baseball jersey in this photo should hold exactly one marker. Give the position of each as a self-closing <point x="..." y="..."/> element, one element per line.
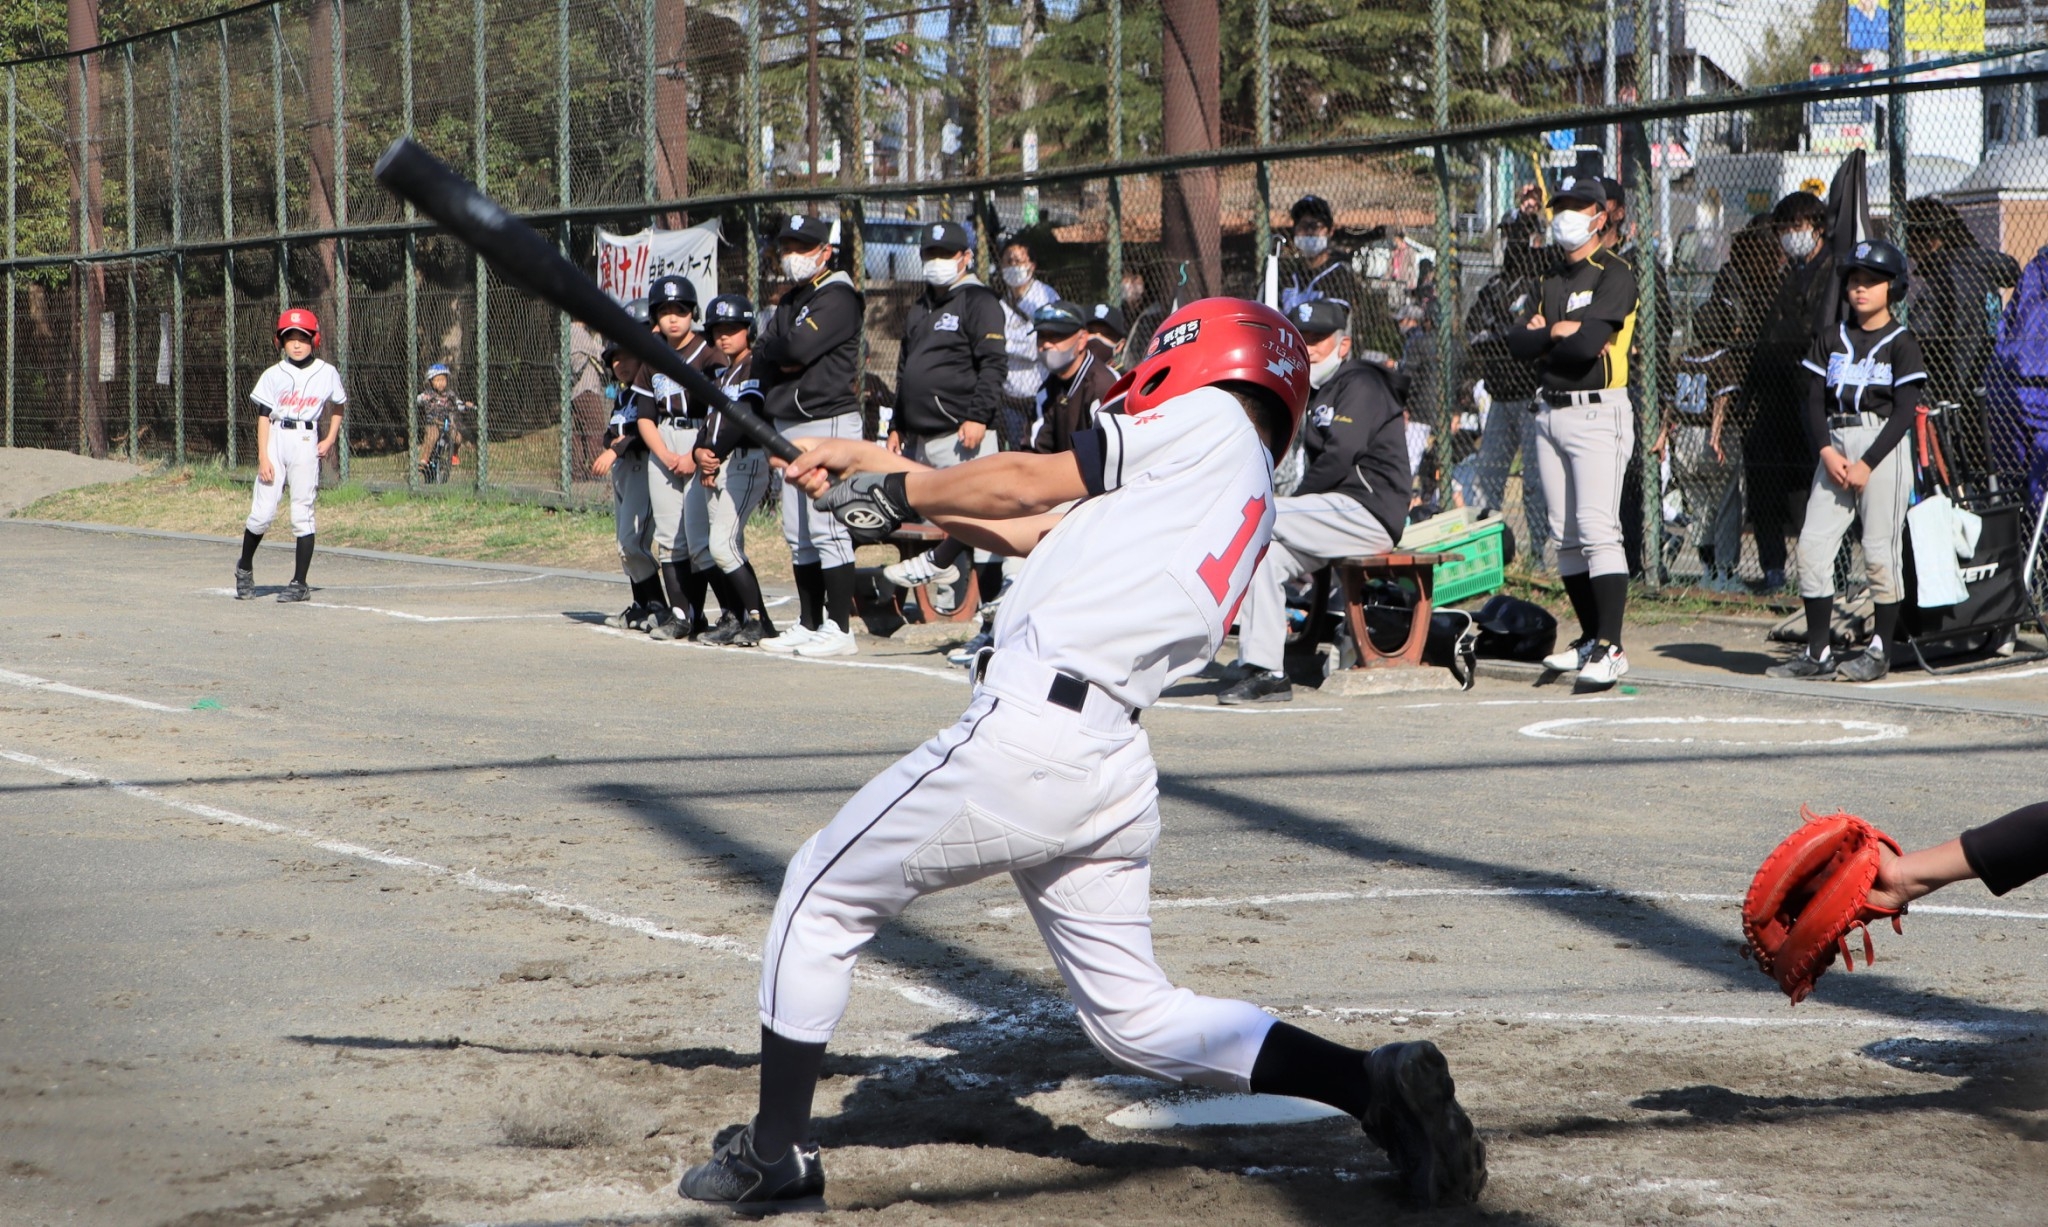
<point x="298" y="393"/>
<point x="1137" y="586"/>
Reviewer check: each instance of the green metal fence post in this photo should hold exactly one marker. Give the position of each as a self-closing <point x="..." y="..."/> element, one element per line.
<point x="563" y="355"/>
<point x="1113" y="216"/>
<point x="860" y="92"/>
<point x="1446" y="254"/>
<point x="227" y="231"/>
<point x="284" y="295"/>
<point x="984" y="104"/>
<point x="412" y="265"/>
<point x="1642" y="199"/>
<point x="1262" y="225"/>
<point x="177" y="256"/>
<point x="12" y="164"/>
<point x="339" y="45"/>
<point x="128" y="171"/>
<point x="647" y="116"/>
<point x="756" y="171"/>
<point x="479" y="97"/>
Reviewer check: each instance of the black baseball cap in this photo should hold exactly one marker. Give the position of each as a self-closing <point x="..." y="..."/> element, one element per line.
<point x="1059" y="319"/>
<point x="1578" y="191"/>
<point x="1108" y="321"/>
<point x="1313" y="206"/>
<point x="804" y="231"/>
<point x="949" y="237"/>
<point x="1319" y="317"/>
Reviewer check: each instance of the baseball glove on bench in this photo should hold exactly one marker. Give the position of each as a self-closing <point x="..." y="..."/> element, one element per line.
<point x="1809" y="893"/>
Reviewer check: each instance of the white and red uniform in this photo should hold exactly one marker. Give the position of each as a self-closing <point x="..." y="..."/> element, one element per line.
<point x="1048" y="776"/>
<point x="293" y="398"/>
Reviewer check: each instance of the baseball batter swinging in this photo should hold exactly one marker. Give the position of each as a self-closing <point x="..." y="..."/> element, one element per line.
<point x="1048" y="775"/>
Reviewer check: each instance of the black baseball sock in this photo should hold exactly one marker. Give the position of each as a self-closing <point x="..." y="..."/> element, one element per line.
<point x="721" y="587"/>
<point x="746" y="587"/>
<point x="990" y="578"/>
<point x="678" y="595"/>
<point x="1307" y="1066"/>
<point x="810" y="593"/>
<point x="647" y="591"/>
<point x="695" y="585"/>
<point x="304" y="546"/>
<point x="1820" y="625"/>
<point x="249" y="543"/>
<point x="947" y="553"/>
<point x="839" y="595"/>
<point x="1584" y="605"/>
<point x="789" y="1076"/>
<point x="1887" y="622"/>
<point x="1610" y="602"/>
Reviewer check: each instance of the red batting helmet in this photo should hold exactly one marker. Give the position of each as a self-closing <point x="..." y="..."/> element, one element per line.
<point x="298" y="319"/>
<point x="1222" y="340"/>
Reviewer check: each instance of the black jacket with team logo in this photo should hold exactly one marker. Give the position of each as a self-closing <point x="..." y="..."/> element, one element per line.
<point x="1354" y="441"/>
<point x="662" y="398"/>
<point x="953" y="361"/>
<point x="1067" y="406"/>
<point x="809" y="351"/>
<point x="738" y="383"/>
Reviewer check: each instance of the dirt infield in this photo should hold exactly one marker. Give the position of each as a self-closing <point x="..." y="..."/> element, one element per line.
<point x="432" y="901"/>
<point x="27" y="474"/>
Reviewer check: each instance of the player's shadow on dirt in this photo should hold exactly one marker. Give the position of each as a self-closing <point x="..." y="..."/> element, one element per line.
<point x="1715" y="656"/>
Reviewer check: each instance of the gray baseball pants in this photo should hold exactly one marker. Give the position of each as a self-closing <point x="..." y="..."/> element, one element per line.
<point x="1882" y="503"/>
<point x="813" y="535"/>
<point x="715" y="516"/>
<point x="634" y="517"/>
<point x="1582" y="451"/>
<point x="666" y="493"/>
<point x="945" y="451"/>
<point x="1309" y="532"/>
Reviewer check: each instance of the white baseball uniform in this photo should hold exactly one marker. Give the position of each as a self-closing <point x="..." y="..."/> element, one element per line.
<point x="293" y="398"/>
<point x="1048" y="776"/>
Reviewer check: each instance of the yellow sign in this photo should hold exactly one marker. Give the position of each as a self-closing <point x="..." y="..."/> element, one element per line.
<point x="1945" y="25"/>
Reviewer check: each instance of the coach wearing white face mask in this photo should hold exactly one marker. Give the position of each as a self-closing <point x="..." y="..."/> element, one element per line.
<point x="949" y="379"/>
<point x="1350" y="500"/>
<point x="806" y="360"/>
<point x="1023" y="295"/>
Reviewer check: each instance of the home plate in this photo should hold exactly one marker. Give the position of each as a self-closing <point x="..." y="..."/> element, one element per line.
<point x="1196" y="1111"/>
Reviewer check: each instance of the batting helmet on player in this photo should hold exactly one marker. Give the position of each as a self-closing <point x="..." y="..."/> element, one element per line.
<point x="1878" y="256"/>
<point x="1223" y="340"/>
<point x="298" y="319"/>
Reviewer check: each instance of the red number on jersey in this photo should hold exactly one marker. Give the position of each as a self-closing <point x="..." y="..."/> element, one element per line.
<point x="1216" y="569"/>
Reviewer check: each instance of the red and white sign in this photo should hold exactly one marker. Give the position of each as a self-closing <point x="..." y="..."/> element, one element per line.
<point x="626" y="263"/>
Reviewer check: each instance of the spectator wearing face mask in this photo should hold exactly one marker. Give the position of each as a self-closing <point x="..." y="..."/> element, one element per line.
<point x="1144" y="307"/>
<point x="1777" y="456"/>
<point x="1106" y="334"/>
<point x="1076" y="377"/>
<point x="949" y="380"/>
<point x="1319" y="271"/>
<point x="806" y="360"/>
<point x="1023" y="295"/>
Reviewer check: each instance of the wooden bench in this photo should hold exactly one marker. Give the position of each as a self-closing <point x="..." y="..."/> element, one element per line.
<point x="914" y="539"/>
<point x="1419" y="568"/>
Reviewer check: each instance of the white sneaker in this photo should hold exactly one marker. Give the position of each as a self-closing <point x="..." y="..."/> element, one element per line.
<point x="1604" y="669"/>
<point x="913" y="572"/>
<point x="1566" y="659"/>
<point x="793" y="636"/>
<point x="964" y="654"/>
<point x="829" y="640"/>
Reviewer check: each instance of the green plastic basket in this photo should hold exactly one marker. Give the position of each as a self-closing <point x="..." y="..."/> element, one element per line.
<point x="1480" y="572"/>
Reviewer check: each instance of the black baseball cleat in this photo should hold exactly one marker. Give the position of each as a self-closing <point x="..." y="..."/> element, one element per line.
<point x="670" y="627"/>
<point x="1258" y="687"/>
<point x="294" y="591"/>
<point x="651" y="616"/>
<point x="725" y="632"/>
<point x="1416" y="1119"/>
<point x="245" y="584"/>
<point x="752" y="631"/>
<point x="1866" y="666"/>
<point x="737" y="1177"/>
<point x="629" y="616"/>
<point x="1803" y="665"/>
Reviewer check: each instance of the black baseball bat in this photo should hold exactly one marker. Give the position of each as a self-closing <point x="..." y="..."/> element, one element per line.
<point x="528" y="261"/>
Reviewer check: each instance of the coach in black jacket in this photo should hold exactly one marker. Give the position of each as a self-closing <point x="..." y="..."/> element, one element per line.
<point x="807" y="359"/>
<point x="1351" y="499"/>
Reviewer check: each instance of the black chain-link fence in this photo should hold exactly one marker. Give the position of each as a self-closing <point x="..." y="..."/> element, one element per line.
<point x="169" y="194"/>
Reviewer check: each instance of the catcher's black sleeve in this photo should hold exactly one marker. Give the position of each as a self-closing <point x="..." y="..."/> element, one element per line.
<point x="2010" y="851"/>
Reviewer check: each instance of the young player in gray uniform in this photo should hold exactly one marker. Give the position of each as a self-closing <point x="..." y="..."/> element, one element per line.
<point x="1048" y="775"/>
<point x="1869" y="379"/>
<point x="732" y="479"/>
<point x="949" y="384"/>
<point x="624" y="460"/>
<point x="807" y="360"/>
<point x="1577" y="337"/>
<point x="668" y="425"/>
<point x="1352" y="498"/>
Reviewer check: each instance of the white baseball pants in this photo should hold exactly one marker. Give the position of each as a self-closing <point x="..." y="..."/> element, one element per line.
<point x="634" y="516"/>
<point x="715" y="516"/>
<point x="1882" y="503"/>
<point x="667" y="493"/>
<point x="1583" y="451"/>
<point x="294" y="462"/>
<point x="1066" y="803"/>
<point x="1309" y="532"/>
<point x="813" y="535"/>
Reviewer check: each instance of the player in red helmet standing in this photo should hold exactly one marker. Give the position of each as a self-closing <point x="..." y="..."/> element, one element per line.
<point x="290" y="399"/>
<point x="1048" y="775"/>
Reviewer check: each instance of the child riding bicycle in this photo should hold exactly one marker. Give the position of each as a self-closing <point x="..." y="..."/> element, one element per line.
<point x="440" y="410"/>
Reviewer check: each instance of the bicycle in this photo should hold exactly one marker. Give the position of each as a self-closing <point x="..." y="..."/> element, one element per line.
<point x="445" y="456"/>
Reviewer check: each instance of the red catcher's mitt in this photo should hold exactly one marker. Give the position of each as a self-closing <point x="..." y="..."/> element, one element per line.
<point x="1808" y="894"/>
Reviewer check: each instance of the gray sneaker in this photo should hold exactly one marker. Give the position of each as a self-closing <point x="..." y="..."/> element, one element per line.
<point x="1803" y="666"/>
<point x="294" y="591"/>
<point x="1258" y="687"/>
<point x="629" y="616"/>
<point x="245" y="584"/>
<point x="1865" y="666"/>
<point x="1416" y="1119"/>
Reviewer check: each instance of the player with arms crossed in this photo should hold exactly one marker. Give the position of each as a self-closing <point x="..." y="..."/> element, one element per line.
<point x="1048" y="776"/>
<point x="290" y="397"/>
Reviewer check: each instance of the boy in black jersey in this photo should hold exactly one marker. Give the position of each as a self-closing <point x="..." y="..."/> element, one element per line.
<point x="1870" y="377"/>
